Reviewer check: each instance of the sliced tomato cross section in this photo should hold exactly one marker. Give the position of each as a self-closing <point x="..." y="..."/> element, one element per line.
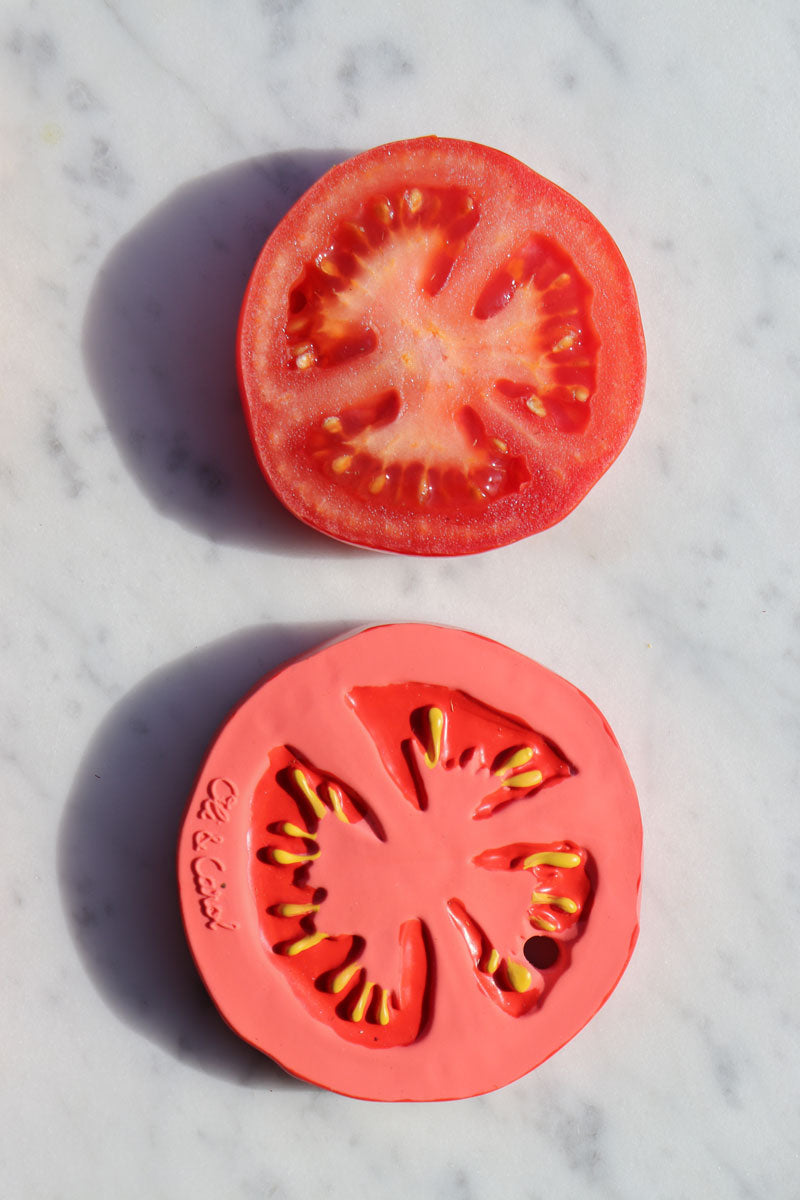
<point x="439" y="351"/>
<point x="410" y="869"/>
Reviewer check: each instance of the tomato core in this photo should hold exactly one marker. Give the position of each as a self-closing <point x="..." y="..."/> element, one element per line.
<point x="376" y="292"/>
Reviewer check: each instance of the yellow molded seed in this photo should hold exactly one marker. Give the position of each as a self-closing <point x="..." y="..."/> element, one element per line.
<point x="296" y="910"/>
<point x="436" y="725"/>
<point x="518" y="976"/>
<point x="536" y="406"/>
<point x="295" y="831"/>
<point x="306" y="943"/>
<point x="304" y="360"/>
<point x="285" y="858"/>
<point x="341" y="464"/>
<point x="336" y="800"/>
<point x="332" y="424"/>
<point x="383" y="1011"/>
<point x="552" y="858"/>
<point x="309" y="793"/>
<point x="566" y="342"/>
<point x="341" y="980"/>
<point x="580" y="393"/>
<point x="361" y="1004"/>
<point x="493" y="962"/>
<point x="563" y="902"/>
<point x="517" y="759"/>
<point x="524" y="780"/>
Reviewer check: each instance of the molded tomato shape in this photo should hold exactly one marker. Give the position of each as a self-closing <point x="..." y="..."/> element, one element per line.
<point x="439" y="351"/>
<point x="410" y="867"/>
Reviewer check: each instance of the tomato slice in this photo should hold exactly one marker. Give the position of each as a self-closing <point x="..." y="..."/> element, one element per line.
<point x="439" y="351"/>
<point x="410" y="867"/>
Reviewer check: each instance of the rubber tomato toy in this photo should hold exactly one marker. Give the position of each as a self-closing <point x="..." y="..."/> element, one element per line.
<point x="439" y="351"/>
<point x="410" y="867"/>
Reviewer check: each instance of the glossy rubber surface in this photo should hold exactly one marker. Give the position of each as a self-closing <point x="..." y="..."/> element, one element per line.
<point x="443" y="908"/>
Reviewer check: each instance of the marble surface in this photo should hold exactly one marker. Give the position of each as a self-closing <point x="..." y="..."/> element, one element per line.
<point x="149" y="578"/>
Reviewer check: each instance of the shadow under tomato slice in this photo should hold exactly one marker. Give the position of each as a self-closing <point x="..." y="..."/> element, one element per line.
<point x="420" y="889"/>
<point x="439" y="351"/>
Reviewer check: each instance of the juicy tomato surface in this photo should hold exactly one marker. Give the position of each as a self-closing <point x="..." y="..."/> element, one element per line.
<point x="410" y="867"/>
<point x="439" y="351"/>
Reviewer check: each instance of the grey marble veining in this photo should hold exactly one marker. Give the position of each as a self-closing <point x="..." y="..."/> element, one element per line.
<point x="149" y="578"/>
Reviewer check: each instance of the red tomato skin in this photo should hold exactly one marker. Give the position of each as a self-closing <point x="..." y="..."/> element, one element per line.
<point x="553" y="493"/>
<point x="473" y="1039"/>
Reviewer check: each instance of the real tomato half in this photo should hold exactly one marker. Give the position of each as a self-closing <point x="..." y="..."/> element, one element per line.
<point x="439" y="351"/>
<point x="410" y="867"/>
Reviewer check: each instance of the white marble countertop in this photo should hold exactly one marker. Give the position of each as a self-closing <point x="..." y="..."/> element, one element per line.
<point x="149" y="578"/>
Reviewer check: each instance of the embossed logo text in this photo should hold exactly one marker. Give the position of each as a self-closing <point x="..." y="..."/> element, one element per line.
<point x="207" y="873"/>
<point x="220" y="797"/>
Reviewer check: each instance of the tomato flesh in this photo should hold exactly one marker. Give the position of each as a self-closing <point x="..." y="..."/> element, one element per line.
<point x="440" y="351"/>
